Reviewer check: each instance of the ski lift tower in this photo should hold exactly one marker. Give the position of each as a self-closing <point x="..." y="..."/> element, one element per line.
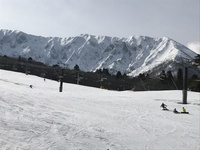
<point x="61" y="80"/>
<point x="186" y="63"/>
<point x="185" y="76"/>
<point x="79" y="78"/>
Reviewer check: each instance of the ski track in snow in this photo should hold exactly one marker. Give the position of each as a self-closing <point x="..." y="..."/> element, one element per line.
<point x="90" y="118"/>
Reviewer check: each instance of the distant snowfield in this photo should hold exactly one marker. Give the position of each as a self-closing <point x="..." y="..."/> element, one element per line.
<point x="88" y="118"/>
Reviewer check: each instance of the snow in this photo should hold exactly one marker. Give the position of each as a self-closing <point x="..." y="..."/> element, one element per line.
<point x="90" y="118"/>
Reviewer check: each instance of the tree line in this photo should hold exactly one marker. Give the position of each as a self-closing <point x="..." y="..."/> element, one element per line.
<point x="166" y="80"/>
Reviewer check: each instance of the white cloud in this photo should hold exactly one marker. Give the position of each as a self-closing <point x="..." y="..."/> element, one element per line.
<point x="195" y="46"/>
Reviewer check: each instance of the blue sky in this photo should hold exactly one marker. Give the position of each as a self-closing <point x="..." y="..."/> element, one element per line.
<point x="176" y="19"/>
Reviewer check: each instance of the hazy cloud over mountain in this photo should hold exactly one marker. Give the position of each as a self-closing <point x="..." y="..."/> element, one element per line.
<point x="195" y="46"/>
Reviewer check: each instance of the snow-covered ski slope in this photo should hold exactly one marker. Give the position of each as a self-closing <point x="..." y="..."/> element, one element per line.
<point x="88" y="118"/>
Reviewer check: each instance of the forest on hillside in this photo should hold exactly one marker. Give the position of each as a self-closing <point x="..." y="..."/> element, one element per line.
<point x="102" y="78"/>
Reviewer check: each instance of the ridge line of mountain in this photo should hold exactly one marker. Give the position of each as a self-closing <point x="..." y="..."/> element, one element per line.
<point x="132" y="56"/>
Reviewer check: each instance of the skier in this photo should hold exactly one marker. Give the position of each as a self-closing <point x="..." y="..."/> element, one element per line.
<point x="164" y="106"/>
<point x="175" y="111"/>
<point x="31" y="86"/>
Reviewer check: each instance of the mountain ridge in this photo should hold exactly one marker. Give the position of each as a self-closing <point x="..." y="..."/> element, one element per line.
<point x="132" y="55"/>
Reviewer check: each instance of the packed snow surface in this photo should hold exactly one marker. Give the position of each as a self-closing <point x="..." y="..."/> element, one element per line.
<point x="86" y="118"/>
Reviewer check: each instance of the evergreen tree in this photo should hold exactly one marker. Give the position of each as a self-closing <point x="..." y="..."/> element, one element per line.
<point x="118" y="75"/>
<point x="142" y="76"/>
<point x="163" y="75"/>
<point x="76" y="68"/>
<point x="169" y="75"/>
<point x="19" y="58"/>
<point x="197" y="60"/>
<point x="194" y="83"/>
<point x="194" y="77"/>
<point x="180" y="74"/>
<point x="106" y="71"/>
<point x="170" y="80"/>
<point x="30" y="59"/>
<point x="98" y="71"/>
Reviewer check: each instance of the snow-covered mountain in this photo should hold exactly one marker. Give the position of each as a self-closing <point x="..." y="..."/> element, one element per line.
<point x="133" y="55"/>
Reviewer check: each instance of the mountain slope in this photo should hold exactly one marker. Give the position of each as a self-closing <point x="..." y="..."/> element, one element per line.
<point x="133" y="55"/>
<point x="92" y="119"/>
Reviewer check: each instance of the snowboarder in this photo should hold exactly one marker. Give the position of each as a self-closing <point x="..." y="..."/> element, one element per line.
<point x="164" y="106"/>
<point x="184" y="111"/>
<point x="31" y="86"/>
<point x="175" y="111"/>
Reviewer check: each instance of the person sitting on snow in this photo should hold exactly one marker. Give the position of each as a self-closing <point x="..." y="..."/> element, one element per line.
<point x="163" y="106"/>
<point x="175" y="111"/>
<point x="184" y="110"/>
